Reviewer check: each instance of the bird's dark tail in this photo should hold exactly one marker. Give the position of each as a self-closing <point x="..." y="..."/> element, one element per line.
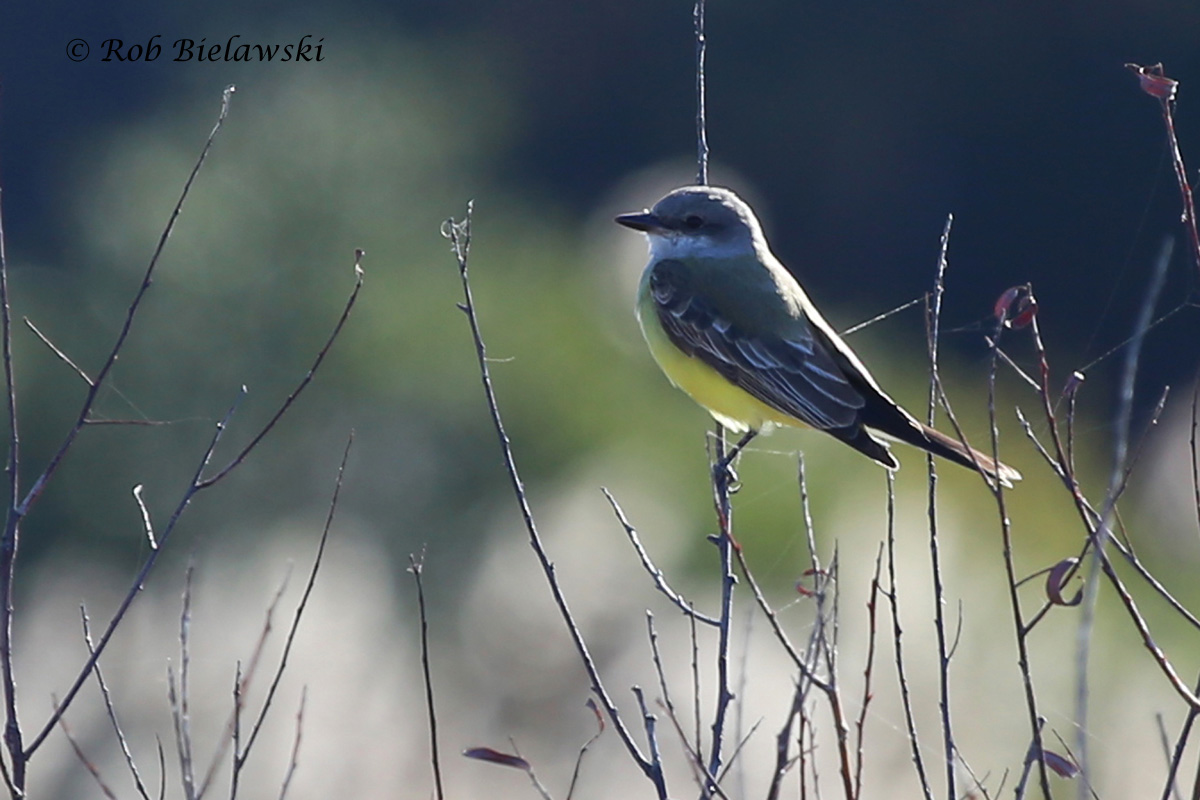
<point x="952" y="449"/>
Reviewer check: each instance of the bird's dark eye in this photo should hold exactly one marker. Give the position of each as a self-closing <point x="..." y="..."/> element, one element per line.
<point x="693" y="222"/>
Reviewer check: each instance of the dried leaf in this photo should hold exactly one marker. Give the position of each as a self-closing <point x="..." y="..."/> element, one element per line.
<point x="1026" y="310"/>
<point x="1061" y="766"/>
<point x="1058" y="574"/>
<point x="496" y="757"/>
<point x="1004" y="302"/>
<point x="1154" y="82"/>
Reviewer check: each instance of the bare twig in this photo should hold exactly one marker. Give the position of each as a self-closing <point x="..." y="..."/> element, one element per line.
<point x="1171" y="789"/>
<point x="868" y="671"/>
<point x="180" y="710"/>
<point x="660" y="580"/>
<point x="1033" y="755"/>
<point x="591" y="704"/>
<point x="111" y="710"/>
<point x="1102" y="533"/>
<point x="247" y="676"/>
<point x="1020" y="627"/>
<point x="304" y="382"/>
<point x="8" y="545"/>
<point x="783" y="742"/>
<point x="88" y="764"/>
<point x="240" y="756"/>
<point x="197" y="485"/>
<point x="722" y="490"/>
<point x="881" y="317"/>
<point x="415" y="565"/>
<point x="1195" y="452"/>
<point x="701" y="121"/>
<point x="19" y="507"/>
<point x="459" y="234"/>
<point x="934" y="315"/>
<point x="822" y="642"/>
<point x="235" y="773"/>
<point x="146" y="524"/>
<point x="57" y="352"/>
<point x="1156" y="84"/>
<point x="40" y="482"/>
<point x="294" y="761"/>
<point x="800" y="661"/>
<point x="892" y="594"/>
<point x="656" y="657"/>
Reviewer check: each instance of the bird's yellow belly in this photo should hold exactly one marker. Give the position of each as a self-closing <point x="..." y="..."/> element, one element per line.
<point x="730" y="405"/>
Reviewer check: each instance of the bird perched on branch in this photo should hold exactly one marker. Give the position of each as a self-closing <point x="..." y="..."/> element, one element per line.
<point x="730" y="326"/>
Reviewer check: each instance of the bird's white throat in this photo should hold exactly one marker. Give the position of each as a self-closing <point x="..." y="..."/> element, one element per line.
<point x="684" y="246"/>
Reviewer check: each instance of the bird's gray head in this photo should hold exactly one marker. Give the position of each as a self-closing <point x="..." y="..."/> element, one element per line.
<point x="704" y="220"/>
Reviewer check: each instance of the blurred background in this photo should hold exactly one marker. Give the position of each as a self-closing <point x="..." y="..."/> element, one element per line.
<point x="853" y="128"/>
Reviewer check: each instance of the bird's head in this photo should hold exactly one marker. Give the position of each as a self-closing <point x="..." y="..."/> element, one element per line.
<point x="698" y="221"/>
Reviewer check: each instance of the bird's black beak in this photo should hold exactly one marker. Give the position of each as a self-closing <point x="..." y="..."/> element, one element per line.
<point x="646" y="222"/>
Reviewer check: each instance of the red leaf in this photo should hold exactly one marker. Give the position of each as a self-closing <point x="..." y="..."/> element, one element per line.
<point x="1026" y="311"/>
<point x="1060" y="765"/>
<point x="1004" y="302"/>
<point x="591" y="703"/>
<point x="1054" y="583"/>
<point x="1154" y="82"/>
<point x="496" y="757"/>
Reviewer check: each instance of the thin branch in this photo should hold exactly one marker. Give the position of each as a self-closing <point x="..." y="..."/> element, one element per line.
<point x="197" y="485"/>
<point x="304" y="382"/>
<point x="1020" y="628"/>
<point x="591" y="704"/>
<point x="1195" y="453"/>
<point x="660" y="580"/>
<point x="701" y="120"/>
<point x="893" y="597"/>
<point x="722" y="478"/>
<point x="881" y="317"/>
<point x="8" y="545"/>
<point x="40" y="482"/>
<point x="111" y="710"/>
<point x="63" y="357"/>
<point x="88" y="764"/>
<point x="868" y="671"/>
<point x="294" y="761"/>
<point x="1171" y="789"/>
<point x="235" y="772"/>
<point x="1156" y="84"/>
<point x="1033" y="755"/>
<point x="459" y="234"/>
<point x="415" y="565"/>
<point x="800" y="661"/>
<point x="180" y="707"/>
<point x="240" y="756"/>
<point x="138" y="582"/>
<point x="17" y="510"/>
<point x="821" y="640"/>
<point x="226" y="740"/>
<point x="656" y="658"/>
<point x="1102" y="533"/>
<point x="147" y="526"/>
<point x="939" y="594"/>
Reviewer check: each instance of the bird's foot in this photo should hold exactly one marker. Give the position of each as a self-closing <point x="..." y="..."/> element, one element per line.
<point x="724" y="474"/>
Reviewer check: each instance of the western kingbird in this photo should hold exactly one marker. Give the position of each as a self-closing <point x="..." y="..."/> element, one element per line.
<point x="730" y="326"/>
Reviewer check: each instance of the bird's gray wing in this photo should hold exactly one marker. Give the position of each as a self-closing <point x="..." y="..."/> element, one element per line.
<point x="793" y="374"/>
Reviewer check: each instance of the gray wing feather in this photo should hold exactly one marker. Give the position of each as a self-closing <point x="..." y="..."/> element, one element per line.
<point x="793" y="374"/>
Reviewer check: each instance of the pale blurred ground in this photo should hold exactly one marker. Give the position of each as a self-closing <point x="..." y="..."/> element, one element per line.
<point x="503" y="665"/>
<point x="374" y="151"/>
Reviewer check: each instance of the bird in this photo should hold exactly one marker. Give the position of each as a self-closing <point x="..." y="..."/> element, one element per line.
<point x="730" y="325"/>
